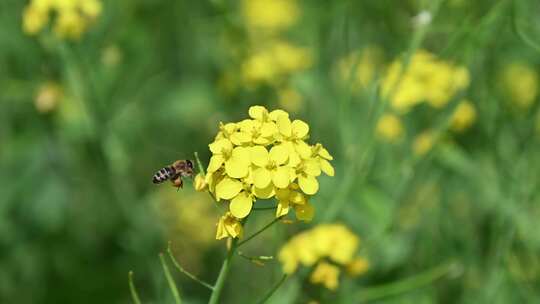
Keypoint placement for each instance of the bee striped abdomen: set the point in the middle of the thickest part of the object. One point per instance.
(163, 174)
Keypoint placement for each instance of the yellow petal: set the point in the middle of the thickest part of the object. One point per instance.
(247, 125)
(300, 129)
(274, 115)
(228, 188)
(326, 167)
(257, 112)
(279, 154)
(282, 208)
(218, 146)
(236, 168)
(261, 178)
(312, 167)
(284, 126)
(269, 129)
(221, 233)
(240, 138)
(241, 205)
(304, 212)
(302, 149)
(242, 154)
(259, 156)
(215, 163)
(324, 153)
(308, 184)
(280, 177)
(264, 193)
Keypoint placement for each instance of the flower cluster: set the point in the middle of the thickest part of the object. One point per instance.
(426, 79)
(72, 16)
(266, 57)
(264, 157)
(328, 247)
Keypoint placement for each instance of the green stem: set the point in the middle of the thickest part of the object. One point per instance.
(199, 164)
(260, 231)
(133, 290)
(187, 273)
(273, 290)
(220, 282)
(408, 284)
(170, 280)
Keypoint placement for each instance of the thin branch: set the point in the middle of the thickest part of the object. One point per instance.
(260, 231)
(132, 289)
(273, 290)
(187, 273)
(170, 280)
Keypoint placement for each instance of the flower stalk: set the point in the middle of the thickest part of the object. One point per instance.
(220, 282)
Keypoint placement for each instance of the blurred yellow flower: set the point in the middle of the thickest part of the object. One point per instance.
(389, 128)
(426, 79)
(48, 97)
(290, 99)
(358, 266)
(463, 117)
(72, 17)
(318, 246)
(520, 83)
(263, 157)
(325, 274)
(423, 143)
(277, 60)
(358, 69)
(270, 15)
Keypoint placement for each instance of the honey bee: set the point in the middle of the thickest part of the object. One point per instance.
(174, 173)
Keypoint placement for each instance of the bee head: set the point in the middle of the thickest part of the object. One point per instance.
(189, 164)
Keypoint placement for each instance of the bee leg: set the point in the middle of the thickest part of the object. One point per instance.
(178, 182)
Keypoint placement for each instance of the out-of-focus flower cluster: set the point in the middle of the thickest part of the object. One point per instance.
(330, 248)
(72, 17)
(263, 157)
(426, 79)
(266, 56)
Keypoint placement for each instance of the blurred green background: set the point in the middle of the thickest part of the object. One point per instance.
(88, 114)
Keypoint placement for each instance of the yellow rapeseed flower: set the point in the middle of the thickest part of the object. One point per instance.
(325, 274)
(263, 157)
(389, 128)
(270, 15)
(463, 117)
(520, 83)
(423, 143)
(48, 97)
(426, 79)
(327, 247)
(277, 60)
(228, 226)
(72, 16)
